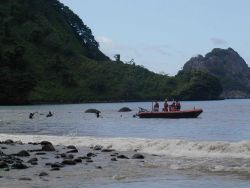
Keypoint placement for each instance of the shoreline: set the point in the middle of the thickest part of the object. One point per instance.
(115, 101)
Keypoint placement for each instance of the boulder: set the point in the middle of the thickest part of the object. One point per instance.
(138, 156)
(25, 179)
(71, 147)
(32, 160)
(40, 153)
(43, 174)
(78, 160)
(48, 147)
(92, 111)
(73, 151)
(108, 150)
(19, 166)
(34, 163)
(68, 162)
(55, 169)
(122, 157)
(3, 164)
(23, 153)
(56, 165)
(89, 161)
(45, 142)
(97, 147)
(91, 154)
(9, 141)
(125, 109)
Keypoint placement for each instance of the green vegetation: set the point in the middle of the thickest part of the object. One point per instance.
(48, 55)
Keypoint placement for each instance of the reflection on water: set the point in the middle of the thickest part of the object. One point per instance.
(226, 120)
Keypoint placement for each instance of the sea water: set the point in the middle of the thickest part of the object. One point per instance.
(212, 150)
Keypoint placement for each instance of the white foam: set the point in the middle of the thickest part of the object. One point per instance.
(169, 147)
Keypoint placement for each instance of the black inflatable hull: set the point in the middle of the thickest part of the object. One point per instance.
(175, 114)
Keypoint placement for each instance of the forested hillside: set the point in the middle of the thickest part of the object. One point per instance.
(48, 55)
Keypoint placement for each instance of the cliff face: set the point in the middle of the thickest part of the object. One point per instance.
(226, 65)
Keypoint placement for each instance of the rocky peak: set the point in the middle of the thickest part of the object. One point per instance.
(228, 66)
(218, 62)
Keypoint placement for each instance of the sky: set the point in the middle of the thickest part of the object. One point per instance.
(162, 35)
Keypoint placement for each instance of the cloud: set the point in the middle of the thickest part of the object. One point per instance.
(218, 41)
(111, 47)
(105, 41)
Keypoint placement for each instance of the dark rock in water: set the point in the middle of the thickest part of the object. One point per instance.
(97, 147)
(23, 153)
(34, 163)
(55, 169)
(48, 164)
(32, 160)
(98, 167)
(68, 156)
(68, 162)
(71, 147)
(19, 166)
(91, 154)
(48, 147)
(108, 150)
(84, 157)
(3, 164)
(122, 157)
(125, 109)
(89, 161)
(73, 151)
(54, 165)
(33, 143)
(138, 156)
(78, 160)
(114, 154)
(4, 148)
(63, 155)
(92, 111)
(113, 159)
(9, 141)
(45, 142)
(34, 150)
(43, 174)
(40, 153)
(25, 179)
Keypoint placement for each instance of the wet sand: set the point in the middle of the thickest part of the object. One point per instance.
(67, 165)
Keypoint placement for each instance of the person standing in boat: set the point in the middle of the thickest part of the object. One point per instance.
(165, 109)
(156, 107)
(178, 105)
(173, 106)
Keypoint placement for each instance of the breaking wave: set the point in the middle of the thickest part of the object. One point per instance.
(173, 154)
(167, 147)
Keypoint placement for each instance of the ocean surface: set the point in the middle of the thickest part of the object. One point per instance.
(212, 150)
